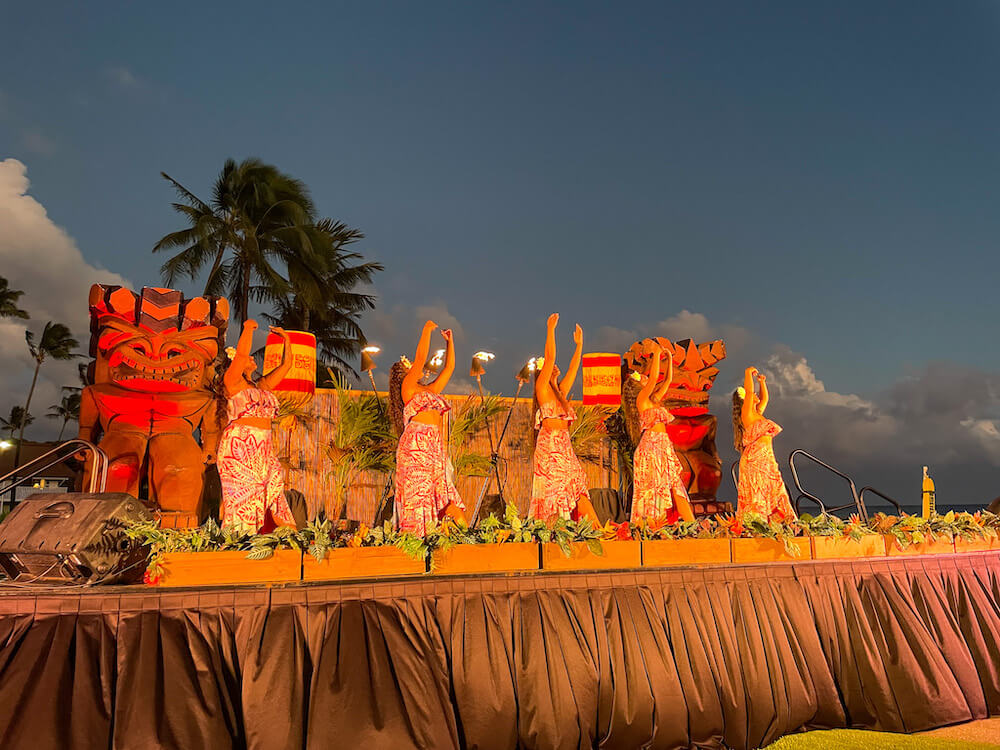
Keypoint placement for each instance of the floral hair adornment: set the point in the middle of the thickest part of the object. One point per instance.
(231, 352)
(406, 362)
(539, 362)
(636, 376)
(741, 392)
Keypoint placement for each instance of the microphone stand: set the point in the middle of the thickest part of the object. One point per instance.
(494, 458)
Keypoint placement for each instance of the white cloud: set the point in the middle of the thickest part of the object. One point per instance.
(124, 78)
(37, 143)
(42, 260)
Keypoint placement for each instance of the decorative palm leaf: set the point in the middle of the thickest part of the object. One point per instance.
(588, 433)
(469, 420)
(362, 441)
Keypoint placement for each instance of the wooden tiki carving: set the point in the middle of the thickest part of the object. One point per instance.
(693, 429)
(152, 389)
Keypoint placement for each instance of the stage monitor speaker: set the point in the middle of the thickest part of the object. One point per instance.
(608, 505)
(72, 538)
(492, 504)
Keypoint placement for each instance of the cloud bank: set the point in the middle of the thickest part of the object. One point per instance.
(42, 260)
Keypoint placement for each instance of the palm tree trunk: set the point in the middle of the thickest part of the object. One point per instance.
(20, 437)
(62, 430)
(245, 303)
(215, 268)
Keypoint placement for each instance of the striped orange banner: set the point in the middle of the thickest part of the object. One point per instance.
(298, 387)
(602, 379)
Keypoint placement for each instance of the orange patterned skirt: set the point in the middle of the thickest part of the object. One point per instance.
(559, 478)
(761, 489)
(423, 489)
(657, 476)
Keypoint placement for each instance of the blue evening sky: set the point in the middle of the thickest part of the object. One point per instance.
(824, 175)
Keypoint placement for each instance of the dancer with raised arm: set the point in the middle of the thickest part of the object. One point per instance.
(559, 481)
(659, 495)
(760, 488)
(424, 491)
(253, 485)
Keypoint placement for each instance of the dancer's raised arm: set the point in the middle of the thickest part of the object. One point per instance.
(234, 379)
(449, 363)
(748, 413)
(764, 398)
(413, 375)
(549, 358)
(574, 365)
(269, 381)
(642, 400)
(667, 380)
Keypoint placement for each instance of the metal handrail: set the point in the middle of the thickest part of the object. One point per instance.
(858, 502)
(861, 495)
(98, 469)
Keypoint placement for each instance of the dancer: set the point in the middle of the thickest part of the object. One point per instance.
(559, 483)
(253, 488)
(424, 491)
(760, 488)
(659, 494)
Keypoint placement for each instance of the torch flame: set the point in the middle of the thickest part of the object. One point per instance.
(372, 349)
(438, 359)
(484, 356)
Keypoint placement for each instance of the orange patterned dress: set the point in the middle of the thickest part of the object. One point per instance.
(423, 487)
(761, 489)
(253, 482)
(657, 470)
(559, 478)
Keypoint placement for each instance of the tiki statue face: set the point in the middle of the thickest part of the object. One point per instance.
(155, 341)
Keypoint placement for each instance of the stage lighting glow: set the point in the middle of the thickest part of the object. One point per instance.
(5, 445)
(484, 356)
(438, 359)
(371, 350)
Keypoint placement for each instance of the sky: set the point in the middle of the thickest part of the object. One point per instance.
(816, 184)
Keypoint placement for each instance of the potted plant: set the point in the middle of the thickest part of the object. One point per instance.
(912, 535)
(579, 545)
(832, 538)
(366, 553)
(209, 555)
(496, 546)
(758, 539)
(977, 532)
(701, 542)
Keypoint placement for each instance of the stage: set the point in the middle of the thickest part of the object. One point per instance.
(733, 655)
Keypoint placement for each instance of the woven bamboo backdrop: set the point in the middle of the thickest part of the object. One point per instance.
(302, 450)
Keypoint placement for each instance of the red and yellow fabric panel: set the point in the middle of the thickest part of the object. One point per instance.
(602, 379)
(299, 386)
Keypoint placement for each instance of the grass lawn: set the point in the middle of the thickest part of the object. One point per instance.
(856, 739)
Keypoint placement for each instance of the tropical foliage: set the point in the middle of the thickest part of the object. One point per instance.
(588, 431)
(362, 441)
(68, 410)
(260, 240)
(473, 416)
(18, 420)
(8, 301)
(56, 342)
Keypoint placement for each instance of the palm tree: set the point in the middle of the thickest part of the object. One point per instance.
(68, 409)
(18, 418)
(8, 301)
(257, 217)
(322, 300)
(56, 342)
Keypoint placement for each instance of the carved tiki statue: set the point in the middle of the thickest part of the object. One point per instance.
(151, 391)
(693, 430)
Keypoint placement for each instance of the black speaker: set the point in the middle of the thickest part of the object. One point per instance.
(72, 538)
